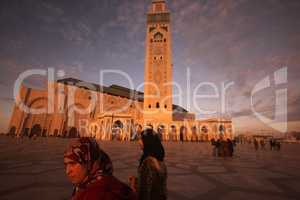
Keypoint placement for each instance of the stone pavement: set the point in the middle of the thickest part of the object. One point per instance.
(33, 169)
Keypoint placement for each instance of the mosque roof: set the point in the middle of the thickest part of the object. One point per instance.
(114, 90)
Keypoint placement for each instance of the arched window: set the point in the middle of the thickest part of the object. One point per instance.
(221, 129)
(204, 129)
(158, 36)
(157, 105)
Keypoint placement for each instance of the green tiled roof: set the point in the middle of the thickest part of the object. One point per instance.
(114, 90)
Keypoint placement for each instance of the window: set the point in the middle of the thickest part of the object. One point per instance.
(158, 36)
(149, 106)
(166, 106)
(151, 29)
(157, 105)
(165, 28)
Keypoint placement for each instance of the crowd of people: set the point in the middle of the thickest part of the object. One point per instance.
(223, 148)
(261, 144)
(90, 170)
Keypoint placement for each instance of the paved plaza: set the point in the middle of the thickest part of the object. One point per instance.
(33, 169)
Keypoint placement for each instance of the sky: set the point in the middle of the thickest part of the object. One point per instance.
(234, 43)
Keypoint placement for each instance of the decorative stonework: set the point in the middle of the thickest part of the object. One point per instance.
(115, 105)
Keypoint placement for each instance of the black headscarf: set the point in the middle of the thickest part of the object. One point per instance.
(152, 146)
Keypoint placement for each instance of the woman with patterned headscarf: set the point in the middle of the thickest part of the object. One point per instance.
(90, 170)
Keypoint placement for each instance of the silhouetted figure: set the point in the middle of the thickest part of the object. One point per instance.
(262, 145)
(152, 171)
(278, 145)
(271, 144)
(214, 145)
(230, 147)
(221, 148)
(255, 144)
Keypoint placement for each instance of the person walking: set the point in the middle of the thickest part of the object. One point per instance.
(255, 144)
(152, 171)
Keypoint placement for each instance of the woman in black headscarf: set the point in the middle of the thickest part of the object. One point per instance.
(152, 171)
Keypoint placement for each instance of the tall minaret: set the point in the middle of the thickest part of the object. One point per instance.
(158, 65)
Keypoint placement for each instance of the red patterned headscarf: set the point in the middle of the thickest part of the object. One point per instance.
(86, 151)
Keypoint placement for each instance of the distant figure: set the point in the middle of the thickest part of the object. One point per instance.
(262, 144)
(278, 145)
(271, 144)
(221, 147)
(90, 170)
(230, 147)
(255, 144)
(152, 171)
(226, 148)
(214, 144)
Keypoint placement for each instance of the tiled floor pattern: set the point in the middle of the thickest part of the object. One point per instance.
(33, 169)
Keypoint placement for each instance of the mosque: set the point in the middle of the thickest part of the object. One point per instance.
(72, 108)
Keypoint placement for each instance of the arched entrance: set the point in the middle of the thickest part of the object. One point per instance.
(73, 133)
(182, 133)
(204, 133)
(36, 130)
(138, 129)
(221, 130)
(173, 133)
(55, 132)
(117, 130)
(25, 132)
(12, 131)
(194, 134)
(161, 131)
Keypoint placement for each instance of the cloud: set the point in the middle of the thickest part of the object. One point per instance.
(49, 12)
(7, 99)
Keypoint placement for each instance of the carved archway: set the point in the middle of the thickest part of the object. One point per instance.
(73, 132)
(12, 131)
(55, 132)
(204, 133)
(73, 119)
(36, 130)
(33, 119)
(222, 129)
(183, 133)
(173, 133)
(161, 130)
(117, 130)
(194, 134)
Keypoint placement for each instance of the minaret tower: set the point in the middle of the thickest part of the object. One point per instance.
(158, 65)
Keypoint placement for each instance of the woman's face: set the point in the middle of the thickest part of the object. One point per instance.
(75, 171)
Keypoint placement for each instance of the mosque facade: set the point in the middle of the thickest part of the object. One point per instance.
(70, 107)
